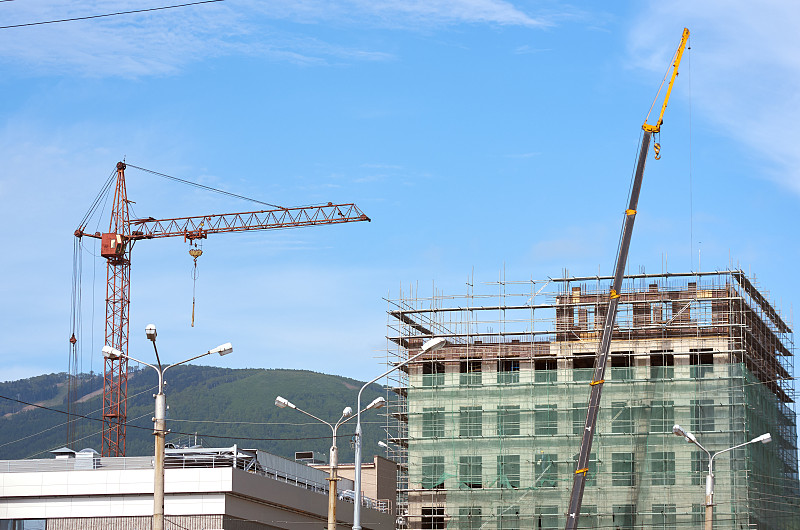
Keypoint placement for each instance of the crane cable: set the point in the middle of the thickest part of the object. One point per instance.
(657, 138)
(207, 188)
(195, 252)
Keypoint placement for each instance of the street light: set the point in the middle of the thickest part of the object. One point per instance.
(347, 414)
(677, 430)
(161, 413)
(429, 346)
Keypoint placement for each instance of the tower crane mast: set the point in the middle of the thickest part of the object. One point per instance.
(116, 246)
(601, 359)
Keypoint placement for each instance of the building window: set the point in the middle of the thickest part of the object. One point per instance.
(621, 365)
(545, 469)
(546, 418)
(622, 469)
(470, 422)
(508, 471)
(433, 374)
(470, 373)
(507, 371)
(432, 422)
(662, 466)
(665, 516)
(588, 516)
(433, 519)
(583, 367)
(544, 371)
(470, 472)
(702, 415)
(23, 524)
(469, 518)
(547, 517)
(699, 514)
(621, 418)
(508, 518)
(624, 517)
(508, 421)
(702, 362)
(432, 472)
(662, 364)
(662, 416)
(579, 410)
(699, 467)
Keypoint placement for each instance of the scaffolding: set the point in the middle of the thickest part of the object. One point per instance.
(486, 430)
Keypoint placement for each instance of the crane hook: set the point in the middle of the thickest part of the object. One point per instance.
(657, 150)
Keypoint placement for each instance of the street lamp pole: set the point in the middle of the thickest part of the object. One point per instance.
(347, 414)
(677, 430)
(159, 421)
(429, 346)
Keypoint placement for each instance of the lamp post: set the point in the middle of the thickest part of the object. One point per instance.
(160, 417)
(347, 414)
(429, 346)
(677, 430)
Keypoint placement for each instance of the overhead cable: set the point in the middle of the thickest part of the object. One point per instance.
(88, 17)
(346, 435)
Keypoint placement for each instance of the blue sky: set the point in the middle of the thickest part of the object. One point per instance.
(479, 135)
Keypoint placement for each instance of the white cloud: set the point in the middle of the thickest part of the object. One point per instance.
(745, 70)
(163, 42)
(402, 13)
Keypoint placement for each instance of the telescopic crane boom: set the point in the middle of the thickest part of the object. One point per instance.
(116, 245)
(579, 480)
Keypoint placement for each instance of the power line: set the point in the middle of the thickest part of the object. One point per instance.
(346, 435)
(66, 422)
(107, 14)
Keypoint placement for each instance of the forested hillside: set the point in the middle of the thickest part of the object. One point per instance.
(223, 406)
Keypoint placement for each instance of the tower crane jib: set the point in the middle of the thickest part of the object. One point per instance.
(115, 247)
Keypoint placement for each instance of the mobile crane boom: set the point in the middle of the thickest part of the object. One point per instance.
(596, 385)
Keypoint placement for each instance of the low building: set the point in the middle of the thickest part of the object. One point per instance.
(206, 489)
(378, 479)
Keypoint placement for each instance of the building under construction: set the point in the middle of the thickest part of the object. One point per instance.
(487, 429)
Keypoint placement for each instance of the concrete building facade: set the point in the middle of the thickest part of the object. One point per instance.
(206, 489)
(486, 431)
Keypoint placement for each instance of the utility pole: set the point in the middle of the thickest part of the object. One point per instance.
(333, 478)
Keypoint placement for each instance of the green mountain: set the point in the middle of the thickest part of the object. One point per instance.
(223, 406)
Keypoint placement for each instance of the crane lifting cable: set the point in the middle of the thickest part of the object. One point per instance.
(601, 359)
(195, 253)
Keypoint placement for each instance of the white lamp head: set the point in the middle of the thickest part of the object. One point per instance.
(111, 353)
(150, 331)
(434, 344)
(383, 444)
(347, 412)
(377, 403)
(764, 438)
(281, 402)
(223, 349)
(677, 430)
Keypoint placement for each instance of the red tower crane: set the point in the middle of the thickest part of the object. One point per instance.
(116, 245)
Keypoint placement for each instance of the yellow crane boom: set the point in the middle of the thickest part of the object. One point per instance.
(596, 386)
